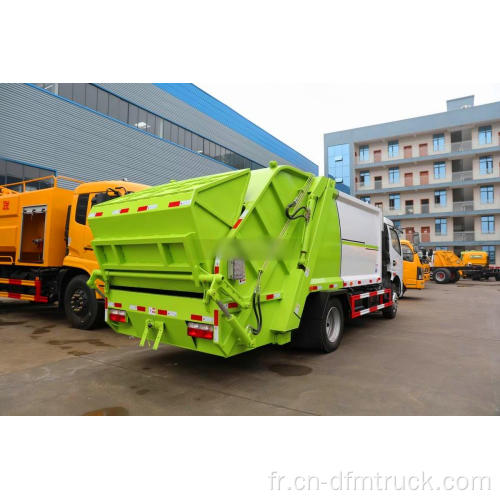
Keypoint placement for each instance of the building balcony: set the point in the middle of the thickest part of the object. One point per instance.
(462, 180)
(399, 213)
(442, 155)
(458, 243)
(465, 175)
(460, 147)
(463, 235)
(463, 206)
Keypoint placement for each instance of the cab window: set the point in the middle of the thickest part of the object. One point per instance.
(407, 253)
(81, 209)
(395, 241)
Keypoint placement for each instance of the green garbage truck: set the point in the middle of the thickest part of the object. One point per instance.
(226, 263)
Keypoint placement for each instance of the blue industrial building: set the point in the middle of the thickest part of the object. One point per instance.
(149, 133)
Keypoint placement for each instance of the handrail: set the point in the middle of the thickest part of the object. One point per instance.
(53, 177)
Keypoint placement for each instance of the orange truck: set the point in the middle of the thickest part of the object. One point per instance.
(448, 268)
(413, 271)
(46, 254)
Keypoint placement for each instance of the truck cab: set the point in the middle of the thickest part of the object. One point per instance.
(46, 252)
(78, 236)
(413, 276)
(392, 257)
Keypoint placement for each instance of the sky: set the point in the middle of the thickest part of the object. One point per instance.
(299, 114)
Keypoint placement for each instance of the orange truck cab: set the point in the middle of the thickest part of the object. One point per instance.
(413, 275)
(45, 243)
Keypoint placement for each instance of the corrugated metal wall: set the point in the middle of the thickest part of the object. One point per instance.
(159, 101)
(47, 131)
(209, 105)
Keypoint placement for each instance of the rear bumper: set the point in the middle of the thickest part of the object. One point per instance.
(163, 319)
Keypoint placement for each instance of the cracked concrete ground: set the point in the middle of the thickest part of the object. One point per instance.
(440, 356)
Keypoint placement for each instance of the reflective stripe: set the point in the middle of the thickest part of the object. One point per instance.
(199, 317)
(120, 211)
(145, 208)
(179, 203)
(216, 325)
(271, 296)
(137, 308)
(217, 265)
(242, 216)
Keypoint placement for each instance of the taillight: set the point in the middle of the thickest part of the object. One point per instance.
(117, 316)
(200, 330)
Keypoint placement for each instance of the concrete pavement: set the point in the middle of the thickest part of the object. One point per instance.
(440, 356)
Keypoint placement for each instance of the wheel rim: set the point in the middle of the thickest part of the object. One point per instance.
(394, 300)
(440, 276)
(333, 324)
(79, 302)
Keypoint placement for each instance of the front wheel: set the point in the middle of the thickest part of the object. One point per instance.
(81, 306)
(390, 312)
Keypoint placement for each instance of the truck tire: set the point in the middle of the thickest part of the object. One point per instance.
(390, 312)
(82, 308)
(455, 276)
(497, 277)
(322, 324)
(442, 275)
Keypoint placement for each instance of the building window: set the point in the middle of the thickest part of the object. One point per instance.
(491, 253)
(440, 227)
(393, 175)
(393, 149)
(439, 170)
(488, 224)
(13, 172)
(485, 135)
(487, 194)
(379, 204)
(364, 153)
(364, 178)
(440, 197)
(366, 199)
(485, 165)
(394, 202)
(339, 163)
(438, 142)
(115, 107)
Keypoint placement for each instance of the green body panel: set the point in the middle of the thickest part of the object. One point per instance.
(164, 262)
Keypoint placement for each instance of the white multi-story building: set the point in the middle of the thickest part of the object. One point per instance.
(438, 175)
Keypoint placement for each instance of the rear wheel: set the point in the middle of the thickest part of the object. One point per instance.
(455, 276)
(442, 275)
(82, 308)
(497, 277)
(322, 325)
(390, 312)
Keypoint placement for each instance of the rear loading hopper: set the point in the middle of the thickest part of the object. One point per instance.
(225, 263)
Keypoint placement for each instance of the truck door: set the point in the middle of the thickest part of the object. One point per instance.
(409, 266)
(395, 266)
(80, 236)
